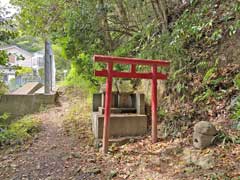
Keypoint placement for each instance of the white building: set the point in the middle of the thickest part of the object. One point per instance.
(20, 57)
(23, 58)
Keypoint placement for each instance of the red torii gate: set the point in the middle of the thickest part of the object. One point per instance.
(110, 73)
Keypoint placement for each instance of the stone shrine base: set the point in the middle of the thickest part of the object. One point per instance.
(120, 125)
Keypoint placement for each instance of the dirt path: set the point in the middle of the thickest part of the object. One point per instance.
(52, 155)
(55, 154)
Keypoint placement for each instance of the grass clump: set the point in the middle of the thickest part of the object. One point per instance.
(3, 87)
(19, 131)
(77, 121)
(236, 109)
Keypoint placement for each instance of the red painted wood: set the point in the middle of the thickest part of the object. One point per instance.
(154, 104)
(117, 74)
(133, 68)
(109, 73)
(124, 60)
(108, 97)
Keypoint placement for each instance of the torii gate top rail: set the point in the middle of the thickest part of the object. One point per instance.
(133, 62)
(124, 60)
(110, 73)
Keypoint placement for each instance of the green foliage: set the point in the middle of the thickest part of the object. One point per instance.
(3, 88)
(23, 70)
(190, 27)
(84, 32)
(7, 31)
(236, 110)
(3, 61)
(82, 66)
(237, 81)
(41, 72)
(194, 25)
(19, 131)
(80, 74)
(125, 49)
(39, 18)
(27, 42)
(210, 81)
(7, 25)
(3, 57)
(224, 138)
(209, 75)
(217, 35)
(180, 88)
(62, 64)
(77, 120)
(202, 66)
(162, 113)
(233, 28)
(204, 96)
(77, 29)
(3, 119)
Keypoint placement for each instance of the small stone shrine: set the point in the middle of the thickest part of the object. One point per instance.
(203, 135)
(127, 118)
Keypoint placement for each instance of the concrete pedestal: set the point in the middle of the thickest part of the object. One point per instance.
(121, 125)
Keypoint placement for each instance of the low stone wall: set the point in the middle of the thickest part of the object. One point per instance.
(19, 105)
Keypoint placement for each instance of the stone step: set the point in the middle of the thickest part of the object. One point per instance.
(118, 141)
(101, 110)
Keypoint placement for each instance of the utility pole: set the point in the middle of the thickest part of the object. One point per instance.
(47, 68)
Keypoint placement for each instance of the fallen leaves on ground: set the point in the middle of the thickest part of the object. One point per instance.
(64, 150)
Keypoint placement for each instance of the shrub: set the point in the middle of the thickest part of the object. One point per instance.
(3, 88)
(19, 131)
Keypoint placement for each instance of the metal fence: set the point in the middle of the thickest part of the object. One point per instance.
(19, 81)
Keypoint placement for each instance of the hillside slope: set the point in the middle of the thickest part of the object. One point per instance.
(203, 45)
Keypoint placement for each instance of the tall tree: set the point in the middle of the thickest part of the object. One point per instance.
(41, 18)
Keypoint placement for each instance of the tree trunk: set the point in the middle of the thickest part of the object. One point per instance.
(160, 9)
(105, 26)
(155, 10)
(122, 12)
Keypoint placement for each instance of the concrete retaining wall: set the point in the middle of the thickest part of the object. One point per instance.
(19, 105)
